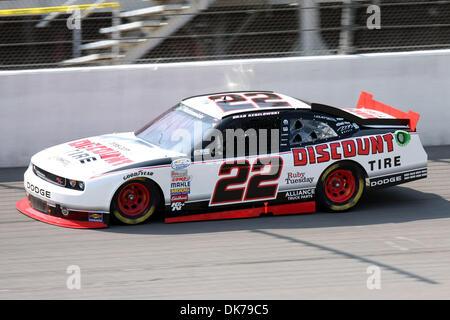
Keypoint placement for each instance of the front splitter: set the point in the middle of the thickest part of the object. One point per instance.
(23, 206)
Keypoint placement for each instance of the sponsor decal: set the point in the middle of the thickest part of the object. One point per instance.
(180, 184)
(181, 178)
(323, 117)
(109, 155)
(345, 128)
(177, 206)
(385, 163)
(343, 149)
(402, 137)
(297, 177)
(38, 190)
(179, 191)
(95, 217)
(180, 173)
(179, 198)
(139, 173)
(180, 164)
(119, 146)
(302, 194)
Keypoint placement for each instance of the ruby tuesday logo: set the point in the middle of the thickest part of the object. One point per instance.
(297, 177)
(343, 149)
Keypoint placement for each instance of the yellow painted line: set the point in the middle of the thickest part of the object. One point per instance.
(19, 12)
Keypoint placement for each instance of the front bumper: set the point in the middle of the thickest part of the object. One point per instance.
(55, 217)
(56, 205)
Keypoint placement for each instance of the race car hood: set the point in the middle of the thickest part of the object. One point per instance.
(85, 158)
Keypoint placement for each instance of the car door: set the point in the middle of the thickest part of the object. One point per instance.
(251, 165)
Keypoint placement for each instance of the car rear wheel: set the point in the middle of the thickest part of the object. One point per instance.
(135, 201)
(340, 187)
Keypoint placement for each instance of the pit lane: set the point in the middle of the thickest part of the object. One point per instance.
(403, 230)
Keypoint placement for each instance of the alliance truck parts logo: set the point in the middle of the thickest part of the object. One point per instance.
(301, 194)
(343, 149)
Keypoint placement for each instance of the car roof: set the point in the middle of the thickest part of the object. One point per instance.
(222, 104)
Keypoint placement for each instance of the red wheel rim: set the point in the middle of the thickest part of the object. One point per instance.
(134, 199)
(340, 186)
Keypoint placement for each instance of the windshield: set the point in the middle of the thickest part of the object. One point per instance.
(177, 129)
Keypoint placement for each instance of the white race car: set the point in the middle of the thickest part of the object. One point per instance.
(227, 155)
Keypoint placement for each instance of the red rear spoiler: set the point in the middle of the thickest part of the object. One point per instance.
(366, 101)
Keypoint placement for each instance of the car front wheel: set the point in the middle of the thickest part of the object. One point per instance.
(135, 202)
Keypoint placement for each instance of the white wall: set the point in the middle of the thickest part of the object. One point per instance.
(40, 108)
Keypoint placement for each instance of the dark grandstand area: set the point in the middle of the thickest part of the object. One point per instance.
(239, 32)
(24, 44)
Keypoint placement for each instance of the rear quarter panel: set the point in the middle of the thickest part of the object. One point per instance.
(379, 155)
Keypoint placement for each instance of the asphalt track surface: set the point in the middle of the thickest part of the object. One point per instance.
(403, 230)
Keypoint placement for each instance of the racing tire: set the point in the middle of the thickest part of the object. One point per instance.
(135, 201)
(340, 187)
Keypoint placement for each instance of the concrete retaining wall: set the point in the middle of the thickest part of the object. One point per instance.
(40, 108)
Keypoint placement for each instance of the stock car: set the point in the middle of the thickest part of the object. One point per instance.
(183, 164)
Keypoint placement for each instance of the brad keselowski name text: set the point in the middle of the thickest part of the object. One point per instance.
(343, 149)
(107, 154)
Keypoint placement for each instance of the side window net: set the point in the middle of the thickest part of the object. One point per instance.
(308, 131)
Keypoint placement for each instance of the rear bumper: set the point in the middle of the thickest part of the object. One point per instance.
(397, 178)
(53, 215)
